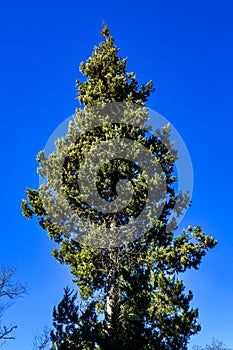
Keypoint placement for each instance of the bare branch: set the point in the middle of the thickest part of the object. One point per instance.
(42, 341)
(4, 335)
(10, 290)
(215, 345)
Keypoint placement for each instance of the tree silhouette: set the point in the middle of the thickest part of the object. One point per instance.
(10, 290)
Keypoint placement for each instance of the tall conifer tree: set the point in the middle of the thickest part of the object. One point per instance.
(132, 295)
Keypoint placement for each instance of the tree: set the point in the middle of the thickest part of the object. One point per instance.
(10, 290)
(75, 325)
(134, 297)
(216, 344)
(42, 341)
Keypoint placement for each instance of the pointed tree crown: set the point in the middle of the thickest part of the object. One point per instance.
(107, 79)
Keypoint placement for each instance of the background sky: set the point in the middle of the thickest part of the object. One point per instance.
(186, 47)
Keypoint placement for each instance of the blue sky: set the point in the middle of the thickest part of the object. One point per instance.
(186, 48)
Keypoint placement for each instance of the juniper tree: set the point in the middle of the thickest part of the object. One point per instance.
(132, 290)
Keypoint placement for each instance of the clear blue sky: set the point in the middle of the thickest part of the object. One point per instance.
(186, 47)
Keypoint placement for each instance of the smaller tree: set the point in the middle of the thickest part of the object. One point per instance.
(75, 325)
(42, 341)
(10, 290)
(216, 344)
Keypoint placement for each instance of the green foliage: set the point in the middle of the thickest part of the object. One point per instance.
(107, 79)
(134, 298)
(74, 326)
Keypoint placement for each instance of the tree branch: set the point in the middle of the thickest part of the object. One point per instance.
(5, 332)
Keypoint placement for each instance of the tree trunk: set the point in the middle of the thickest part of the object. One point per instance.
(113, 292)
